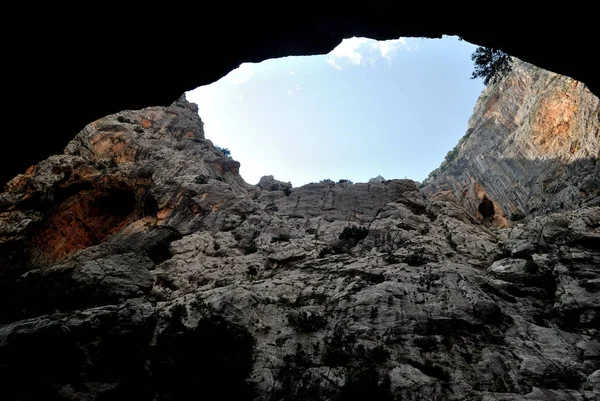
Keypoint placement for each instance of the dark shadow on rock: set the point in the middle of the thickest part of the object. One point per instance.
(518, 186)
(108, 353)
(212, 360)
(97, 354)
(80, 284)
(153, 243)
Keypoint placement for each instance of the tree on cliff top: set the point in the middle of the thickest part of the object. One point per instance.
(490, 64)
(225, 151)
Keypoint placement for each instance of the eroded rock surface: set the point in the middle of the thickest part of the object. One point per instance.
(532, 147)
(139, 265)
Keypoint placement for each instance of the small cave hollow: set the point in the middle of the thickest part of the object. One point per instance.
(486, 208)
(116, 202)
(86, 218)
(149, 206)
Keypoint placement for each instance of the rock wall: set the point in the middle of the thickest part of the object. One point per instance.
(139, 265)
(532, 147)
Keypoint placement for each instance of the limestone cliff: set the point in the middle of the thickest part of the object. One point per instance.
(139, 265)
(532, 147)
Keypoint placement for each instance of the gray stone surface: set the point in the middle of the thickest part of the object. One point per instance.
(269, 183)
(212, 285)
(531, 148)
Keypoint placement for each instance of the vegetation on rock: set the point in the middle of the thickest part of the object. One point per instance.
(490, 64)
(225, 151)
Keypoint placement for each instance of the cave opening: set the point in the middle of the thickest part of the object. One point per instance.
(88, 217)
(368, 108)
(116, 202)
(486, 208)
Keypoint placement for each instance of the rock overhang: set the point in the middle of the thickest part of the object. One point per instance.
(134, 58)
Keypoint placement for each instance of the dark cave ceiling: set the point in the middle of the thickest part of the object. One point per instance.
(65, 67)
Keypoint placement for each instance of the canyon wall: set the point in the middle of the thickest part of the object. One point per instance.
(532, 147)
(139, 265)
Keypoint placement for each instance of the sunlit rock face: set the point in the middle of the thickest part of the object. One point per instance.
(532, 147)
(139, 265)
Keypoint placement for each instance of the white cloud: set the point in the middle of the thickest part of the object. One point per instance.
(291, 91)
(241, 74)
(388, 46)
(349, 49)
(292, 72)
(362, 51)
(331, 62)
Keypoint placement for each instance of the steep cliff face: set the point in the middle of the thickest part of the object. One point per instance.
(139, 265)
(532, 147)
(119, 169)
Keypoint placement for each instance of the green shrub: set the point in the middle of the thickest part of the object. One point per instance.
(363, 378)
(451, 155)
(378, 354)
(354, 233)
(201, 179)
(417, 258)
(225, 151)
(490, 64)
(307, 322)
(516, 216)
(339, 348)
(349, 238)
(325, 251)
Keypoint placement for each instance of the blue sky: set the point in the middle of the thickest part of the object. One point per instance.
(390, 108)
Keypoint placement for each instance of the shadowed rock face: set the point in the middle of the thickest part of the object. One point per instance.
(139, 265)
(532, 147)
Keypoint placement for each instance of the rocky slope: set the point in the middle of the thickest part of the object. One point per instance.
(139, 265)
(532, 147)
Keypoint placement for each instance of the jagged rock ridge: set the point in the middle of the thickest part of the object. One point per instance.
(139, 265)
(532, 147)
